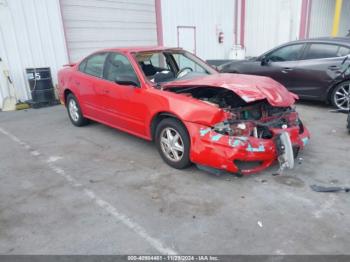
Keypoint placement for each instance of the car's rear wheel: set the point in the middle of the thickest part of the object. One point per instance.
(173, 143)
(340, 95)
(74, 111)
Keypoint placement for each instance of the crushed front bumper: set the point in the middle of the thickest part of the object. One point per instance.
(240, 155)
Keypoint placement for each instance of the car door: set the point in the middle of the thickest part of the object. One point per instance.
(280, 64)
(319, 65)
(119, 97)
(86, 80)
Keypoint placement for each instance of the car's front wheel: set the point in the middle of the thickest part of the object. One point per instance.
(173, 143)
(340, 95)
(74, 111)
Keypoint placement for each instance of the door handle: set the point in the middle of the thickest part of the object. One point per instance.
(286, 70)
(334, 67)
(106, 91)
(77, 83)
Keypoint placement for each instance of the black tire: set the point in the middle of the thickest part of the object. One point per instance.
(335, 90)
(185, 139)
(80, 120)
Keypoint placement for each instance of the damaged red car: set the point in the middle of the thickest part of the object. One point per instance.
(236, 123)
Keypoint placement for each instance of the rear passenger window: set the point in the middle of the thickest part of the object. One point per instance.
(94, 64)
(317, 51)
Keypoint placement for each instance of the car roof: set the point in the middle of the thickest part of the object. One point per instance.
(135, 49)
(330, 40)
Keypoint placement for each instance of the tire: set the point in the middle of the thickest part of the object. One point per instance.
(168, 147)
(337, 96)
(74, 111)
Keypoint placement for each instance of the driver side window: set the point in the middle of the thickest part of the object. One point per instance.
(287, 53)
(182, 62)
(118, 65)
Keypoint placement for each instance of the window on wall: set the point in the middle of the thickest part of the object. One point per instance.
(286, 53)
(317, 51)
(94, 64)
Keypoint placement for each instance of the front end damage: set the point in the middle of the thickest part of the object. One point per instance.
(251, 136)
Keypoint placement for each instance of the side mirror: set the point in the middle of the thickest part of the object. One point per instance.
(264, 61)
(127, 80)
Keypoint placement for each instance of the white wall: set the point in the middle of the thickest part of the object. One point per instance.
(270, 23)
(322, 13)
(344, 26)
(95, 24)
(208, 16)
(31, 35)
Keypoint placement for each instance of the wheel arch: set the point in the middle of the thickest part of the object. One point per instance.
(66, 92)
(157, 118)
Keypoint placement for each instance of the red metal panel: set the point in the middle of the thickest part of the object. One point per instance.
(159, 22)
(304, 19)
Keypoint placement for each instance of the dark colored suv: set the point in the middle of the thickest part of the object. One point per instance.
(311, 68)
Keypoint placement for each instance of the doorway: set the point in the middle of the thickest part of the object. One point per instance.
(186, 38)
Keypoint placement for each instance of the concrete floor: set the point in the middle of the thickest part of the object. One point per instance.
(96, 190)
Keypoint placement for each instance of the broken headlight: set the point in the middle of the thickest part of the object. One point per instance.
(234, 129)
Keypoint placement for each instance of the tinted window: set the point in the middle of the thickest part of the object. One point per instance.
(118, 65)
(317, 51)
(94, 64)
(287, 53)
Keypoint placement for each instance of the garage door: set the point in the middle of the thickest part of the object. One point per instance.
(94, 24)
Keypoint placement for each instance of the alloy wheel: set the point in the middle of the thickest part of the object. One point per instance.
(341, 96)
(171, 144)
(73, 110)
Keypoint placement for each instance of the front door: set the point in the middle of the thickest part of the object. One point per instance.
(281, 64)
(119, 98)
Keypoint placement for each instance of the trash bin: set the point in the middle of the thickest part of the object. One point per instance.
(41, 87)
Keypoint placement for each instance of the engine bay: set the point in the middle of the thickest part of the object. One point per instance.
(257, 119)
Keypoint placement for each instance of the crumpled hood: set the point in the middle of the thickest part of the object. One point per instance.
(249, 87)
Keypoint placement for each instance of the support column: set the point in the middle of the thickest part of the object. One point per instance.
(336, 19)
(242, 29)
(159, 22)
(305, 19)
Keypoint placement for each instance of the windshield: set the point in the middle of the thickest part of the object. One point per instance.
(165, 66)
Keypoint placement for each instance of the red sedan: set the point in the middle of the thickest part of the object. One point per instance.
(236, 123)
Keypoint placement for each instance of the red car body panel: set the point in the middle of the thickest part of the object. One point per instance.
(250, 88)
(133, 109)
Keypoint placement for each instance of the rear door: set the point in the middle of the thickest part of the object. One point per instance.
(319, 65)
(281, 64)
(86, 81)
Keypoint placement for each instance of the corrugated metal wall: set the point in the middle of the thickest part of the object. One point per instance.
(322, 13)
(270, 23)
(94, 24)
(31, 35)
(345, 18)
(208, 17)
